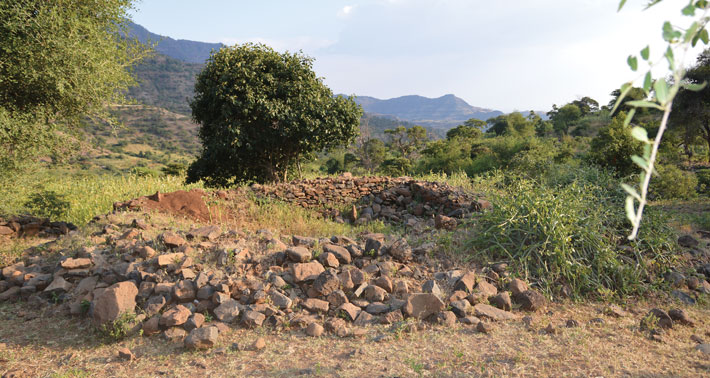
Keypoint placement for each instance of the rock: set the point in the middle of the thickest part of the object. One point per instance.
(444, 222)
(307, 271)
(315, 330)
(315, 305)
(350, 310)
(184, 291)
(482, 310)
(329, 260)
(375, 293)
(116, 300)
(373, 245)
(339, 252)
(423, 305)
(571, 323)
(59, 285)
(364, 318)
(697, 339)
(688, 241)
(502, 301)
(208, 232)
(337, 298)
(170, 258)
(676, 279)
(401, 287)
(484, 327)
(466, 282)
(530, 300)
(174, 334)
(280, 301)
(228, 311)
(615, 311)
(517, 287)
(470, 320)
(172, 240)
(139, 223)
(252, 319)
(460, 308)
(392, 317)
(195, 321)
(326, 283)
(703, 348)
(176, 316)
(681, 316)
(76, 263)
(683, 297)
(377, 308)
(660, 319)
(400, 250)
(446, 318)
(146, 252)
(485, 289)
(303, 241)
(151, 326)
(432, 287)
(202, 338)
(154, 305)
(550, 329)
(258, 344)
(298, 254)
(125, 354)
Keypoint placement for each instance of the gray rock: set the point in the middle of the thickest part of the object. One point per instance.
(482, 310)
(228, 311)
(202, 338)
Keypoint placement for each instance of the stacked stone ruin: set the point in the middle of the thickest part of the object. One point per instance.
(401, 199)
(192, 286)
(28, 226)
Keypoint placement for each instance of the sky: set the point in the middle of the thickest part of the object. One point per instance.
(503, 55)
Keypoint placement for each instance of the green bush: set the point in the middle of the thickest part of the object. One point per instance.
(703, 176)
(48, 204)
(673, 183)
(569, 236)
(614, 146)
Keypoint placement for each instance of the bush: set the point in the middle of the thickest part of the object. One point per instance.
(569, 236)
(673, 183)
(48, 204)
(614, 146)
(703, 176)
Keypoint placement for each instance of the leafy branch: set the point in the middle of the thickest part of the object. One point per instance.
(660, 94)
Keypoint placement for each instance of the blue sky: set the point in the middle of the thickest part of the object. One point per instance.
(505, 55)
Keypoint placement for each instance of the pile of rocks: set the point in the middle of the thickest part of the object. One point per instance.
(28, 226)
(400, 200)
(193, 285)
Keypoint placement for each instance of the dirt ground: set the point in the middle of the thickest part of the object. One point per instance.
(49, 346)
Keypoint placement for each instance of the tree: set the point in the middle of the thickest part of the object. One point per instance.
(614, 146)
(564, 117)
(261, 111)
(586, 105)
(372, 154)
(691, 109)
(407, 142)
(471, 129)
(519, 126)
(59, 61)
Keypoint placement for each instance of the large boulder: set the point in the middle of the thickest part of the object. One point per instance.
(202, 338)
(116, 300)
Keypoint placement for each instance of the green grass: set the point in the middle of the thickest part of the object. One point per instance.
(86, 195)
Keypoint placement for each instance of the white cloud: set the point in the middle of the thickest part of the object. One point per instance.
(346, 11)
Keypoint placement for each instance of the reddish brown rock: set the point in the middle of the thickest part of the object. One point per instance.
(307, 271)
(76, 263)
(423, 305)
(115, 301)
(202, 338)
(176, 316)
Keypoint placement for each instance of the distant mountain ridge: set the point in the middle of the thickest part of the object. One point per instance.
(182, 49)
(445, 111)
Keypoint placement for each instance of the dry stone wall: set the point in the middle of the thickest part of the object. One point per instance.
(400, 199)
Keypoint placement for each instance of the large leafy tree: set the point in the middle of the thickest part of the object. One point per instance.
(260, 112)
(60, 60)
(691, 109)
(563, 118)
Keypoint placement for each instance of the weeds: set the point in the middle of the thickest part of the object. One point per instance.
(118, 329)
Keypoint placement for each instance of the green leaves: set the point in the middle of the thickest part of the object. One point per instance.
(640, 134)
(660, 87)
(621, 5)
(633, 62)
(645, 53)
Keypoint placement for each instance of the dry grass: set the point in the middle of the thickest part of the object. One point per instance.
(64, 347)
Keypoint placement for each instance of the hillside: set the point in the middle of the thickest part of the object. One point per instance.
(442, 112)
(184, 50)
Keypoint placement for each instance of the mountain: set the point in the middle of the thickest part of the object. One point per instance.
(442, 112)
(184, 50)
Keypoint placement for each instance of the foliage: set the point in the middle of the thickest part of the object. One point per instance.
(563, 118)
(470, 129)
(703, 176)
(371, 154)
(260, 112)
(59, 60)
(674, 183)
(48, 204)
(118, 329)
(679, 40)
(565, 235)
(614, 146)
(691, 109)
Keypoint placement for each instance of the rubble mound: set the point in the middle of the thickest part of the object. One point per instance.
(28, 226)
(399, 200)
(182, 203)
(180, 283)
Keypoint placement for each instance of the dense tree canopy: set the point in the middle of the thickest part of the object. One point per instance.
(691, 109)
(59, 60)
(261, 111)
